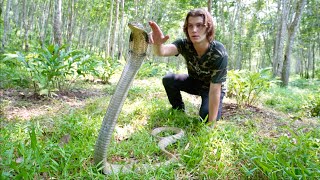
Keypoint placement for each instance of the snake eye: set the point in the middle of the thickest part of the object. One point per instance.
(146, 37)
(131, 37)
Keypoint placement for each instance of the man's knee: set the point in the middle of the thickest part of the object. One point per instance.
(167, 80)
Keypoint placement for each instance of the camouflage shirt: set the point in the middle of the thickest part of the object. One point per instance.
(211, 67)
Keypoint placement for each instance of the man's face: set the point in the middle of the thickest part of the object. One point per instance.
(196, 29)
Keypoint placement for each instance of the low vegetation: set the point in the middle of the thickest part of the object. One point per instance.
(276, 137)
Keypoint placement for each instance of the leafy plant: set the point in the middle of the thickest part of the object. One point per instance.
(246, 87)
(312, 106)
(98, 67)
(48, 67)
(317, 74)
(151, 70)
(12, 76)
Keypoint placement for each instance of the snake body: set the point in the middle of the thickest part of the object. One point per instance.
(138, 45)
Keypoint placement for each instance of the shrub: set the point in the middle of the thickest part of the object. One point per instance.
(151, 70)
(312, 107)
(48, 67)
(317, 74)
(12, 76)
(97, 67)
(246, 86)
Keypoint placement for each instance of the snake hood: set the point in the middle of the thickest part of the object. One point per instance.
(139, 39)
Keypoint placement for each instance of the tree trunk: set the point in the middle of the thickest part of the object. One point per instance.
(121, 31)
(46, 19)
(115, 30)
(6, 27)
(239, 56)
(298, 64)
(43, 22)
(309, 60)
(109, 30)
(232, 34)
(80, 34)
(209, 6)
(280, 39)
(25, 45)
(57, 23)
(16, 13)
(28, 14)
(291, 35)
(313, 60)
(70, 23)
(302, 68)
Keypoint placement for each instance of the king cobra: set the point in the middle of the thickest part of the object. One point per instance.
(138, 46)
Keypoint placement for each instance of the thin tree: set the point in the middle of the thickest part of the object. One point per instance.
(291, 35)
(209, 6)
(45, 21)
(121, 30)
(115, 30)
(57, 23)
(6, 27)
(109, 30)
(280, 38)
(70, 22)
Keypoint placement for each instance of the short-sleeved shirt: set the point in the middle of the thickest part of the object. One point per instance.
(210, 67)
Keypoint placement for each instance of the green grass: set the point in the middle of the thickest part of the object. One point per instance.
(62, 146)
(298, 99)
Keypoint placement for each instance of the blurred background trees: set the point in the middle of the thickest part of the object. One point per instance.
(282, 34)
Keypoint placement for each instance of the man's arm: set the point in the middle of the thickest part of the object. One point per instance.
(214, 101)
(158, 39)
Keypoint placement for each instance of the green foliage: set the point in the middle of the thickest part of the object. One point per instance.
(48, 67)
(292, 156)
(312, 107)
(62, 146)
(97, 67)
(151, 70)
(53, 68)
(13, 76)
(246, 87)
(317, 74)
(299, 99)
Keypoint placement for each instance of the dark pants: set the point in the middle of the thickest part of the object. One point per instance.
(175, 83)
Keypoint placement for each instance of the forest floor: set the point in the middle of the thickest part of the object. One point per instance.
(44, 138)
(24, 105)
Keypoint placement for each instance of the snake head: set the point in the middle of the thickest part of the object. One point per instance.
(138, 39)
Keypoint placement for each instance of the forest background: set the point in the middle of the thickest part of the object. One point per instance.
(54, 54)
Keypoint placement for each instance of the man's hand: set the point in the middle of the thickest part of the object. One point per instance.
(156, 37)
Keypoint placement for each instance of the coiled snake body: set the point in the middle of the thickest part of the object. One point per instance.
(138, 47)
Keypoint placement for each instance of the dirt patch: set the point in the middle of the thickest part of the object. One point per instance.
(25, 105)
(267, 122)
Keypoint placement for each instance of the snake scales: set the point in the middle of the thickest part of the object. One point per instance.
(138, 47)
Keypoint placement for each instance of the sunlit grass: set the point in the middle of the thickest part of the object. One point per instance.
(62, 146)
(295, 99)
